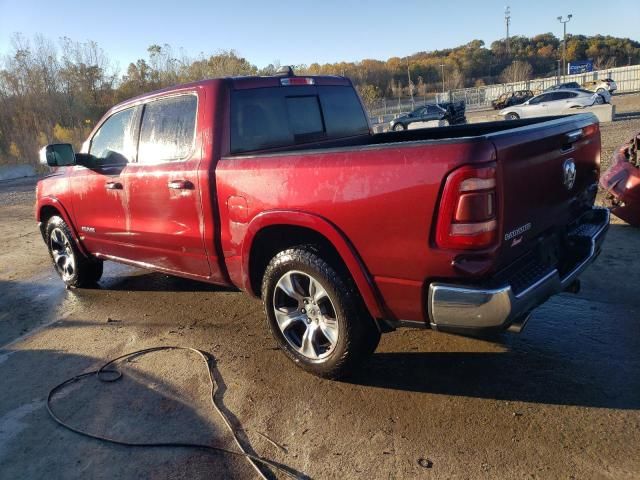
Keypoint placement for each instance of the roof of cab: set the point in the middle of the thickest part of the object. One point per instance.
(236, 83)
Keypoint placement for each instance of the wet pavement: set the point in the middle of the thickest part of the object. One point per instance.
(560, 400)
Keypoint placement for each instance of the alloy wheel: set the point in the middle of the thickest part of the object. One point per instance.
(305, 315)
(62, 253)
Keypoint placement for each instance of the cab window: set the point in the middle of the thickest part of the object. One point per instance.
(167, 132)
(271, 117)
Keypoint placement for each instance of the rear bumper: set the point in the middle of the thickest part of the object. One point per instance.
(460, 308)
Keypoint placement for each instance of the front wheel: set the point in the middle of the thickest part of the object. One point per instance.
(315, 314)
(398, 127)
(75, 269)
(512, 116)
(600, 100)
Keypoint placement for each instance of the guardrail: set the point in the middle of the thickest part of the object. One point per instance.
(626, 78)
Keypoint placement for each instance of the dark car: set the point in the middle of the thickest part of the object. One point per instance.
(564, 86)
(449, 113)
(511, 98)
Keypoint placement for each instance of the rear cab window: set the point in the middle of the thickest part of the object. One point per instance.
(282, 116)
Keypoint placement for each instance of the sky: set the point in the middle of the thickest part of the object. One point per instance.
(296, 32)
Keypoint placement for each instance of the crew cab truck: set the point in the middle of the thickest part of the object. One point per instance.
(276, 185)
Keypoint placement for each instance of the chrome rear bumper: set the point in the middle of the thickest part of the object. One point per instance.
(462, 308)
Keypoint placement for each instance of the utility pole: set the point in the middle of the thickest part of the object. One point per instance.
(507, 22)
(442, 67)
(564, 43)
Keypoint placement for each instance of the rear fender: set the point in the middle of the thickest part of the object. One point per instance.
(347, 252)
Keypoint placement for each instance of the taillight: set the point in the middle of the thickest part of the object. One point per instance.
(468, 218)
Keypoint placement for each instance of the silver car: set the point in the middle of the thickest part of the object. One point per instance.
(556, 102)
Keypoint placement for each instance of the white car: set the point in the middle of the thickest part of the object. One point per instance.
(556, 102)
(599, 86)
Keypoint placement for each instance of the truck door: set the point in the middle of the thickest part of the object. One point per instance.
(99, 198)
(166, 217)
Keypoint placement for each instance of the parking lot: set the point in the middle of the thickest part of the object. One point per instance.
(560, 400)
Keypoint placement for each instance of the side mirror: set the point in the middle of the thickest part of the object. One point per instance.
(58, 155)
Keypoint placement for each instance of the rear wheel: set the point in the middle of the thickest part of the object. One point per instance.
(599, 100)
(75, 269)
(512, 116)
(398, 127)
(315, 314)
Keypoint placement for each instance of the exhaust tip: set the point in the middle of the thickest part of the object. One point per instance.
(518, 324)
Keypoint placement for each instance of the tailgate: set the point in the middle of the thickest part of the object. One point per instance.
(548, 174)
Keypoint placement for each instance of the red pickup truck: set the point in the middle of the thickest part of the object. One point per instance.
(276, 185)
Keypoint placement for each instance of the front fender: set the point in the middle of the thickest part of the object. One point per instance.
(50, 201)
(345, 249)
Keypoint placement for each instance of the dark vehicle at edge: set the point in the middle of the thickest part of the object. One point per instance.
(453, 113)
(564, 86)
(511, 98)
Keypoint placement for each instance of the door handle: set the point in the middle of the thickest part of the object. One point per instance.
(180, 185)
(113, 186)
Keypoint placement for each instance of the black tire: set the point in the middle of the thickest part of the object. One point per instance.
(75, 269)
(357, 333)
(600, 100)
(512, 116)
(398, 127)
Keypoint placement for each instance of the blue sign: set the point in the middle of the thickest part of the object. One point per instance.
(580, 67)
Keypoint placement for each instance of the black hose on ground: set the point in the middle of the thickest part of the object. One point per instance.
(108, 375)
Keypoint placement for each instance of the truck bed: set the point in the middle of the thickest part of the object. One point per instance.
(435, 134)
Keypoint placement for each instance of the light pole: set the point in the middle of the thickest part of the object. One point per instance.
(442, 67)
(564, 43)
(507, 21)
(410, 84)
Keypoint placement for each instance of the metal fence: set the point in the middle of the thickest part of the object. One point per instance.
(627, 79)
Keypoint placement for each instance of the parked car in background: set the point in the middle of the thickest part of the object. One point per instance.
(511, 98)
(555, 102)
(622, 182)
(599, 86)
(564, 86)
(276, 185)
(431, 115)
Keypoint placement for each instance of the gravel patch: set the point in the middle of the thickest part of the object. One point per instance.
(19, 191)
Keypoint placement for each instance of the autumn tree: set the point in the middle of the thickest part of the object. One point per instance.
(518, 71)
